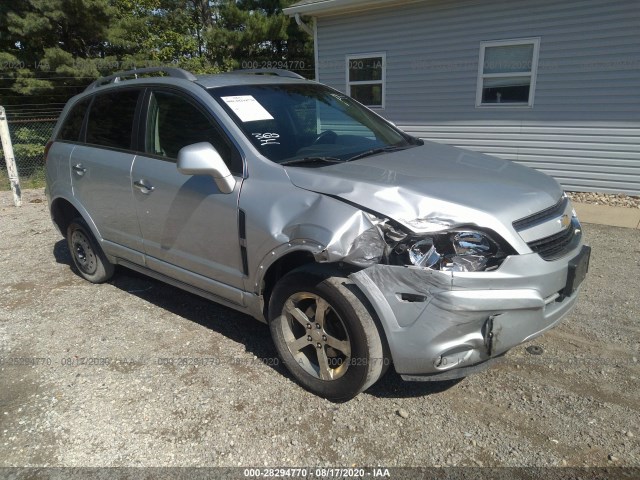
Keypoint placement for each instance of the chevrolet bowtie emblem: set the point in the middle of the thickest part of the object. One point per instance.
(565, 221)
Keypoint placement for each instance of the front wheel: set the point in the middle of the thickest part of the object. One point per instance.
(325, 335)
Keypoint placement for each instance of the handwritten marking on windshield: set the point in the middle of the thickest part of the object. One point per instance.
(267, 138)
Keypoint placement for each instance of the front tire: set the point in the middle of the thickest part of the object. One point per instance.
(325, 335)
(88, 257)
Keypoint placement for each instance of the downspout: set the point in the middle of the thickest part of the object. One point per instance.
(313, 32)
(303, 25)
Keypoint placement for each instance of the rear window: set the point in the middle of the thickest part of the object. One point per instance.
(111, 119)
(73, 123)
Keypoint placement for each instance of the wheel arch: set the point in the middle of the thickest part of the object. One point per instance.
(305, 258)
(278, 269)
(322, 279)
(63, 211)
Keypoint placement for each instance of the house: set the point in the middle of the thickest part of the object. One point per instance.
(552, 85)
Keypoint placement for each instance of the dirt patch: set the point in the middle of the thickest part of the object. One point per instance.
(138, 373)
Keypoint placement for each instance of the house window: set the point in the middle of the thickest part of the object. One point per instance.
(366, 78)
(507, 73)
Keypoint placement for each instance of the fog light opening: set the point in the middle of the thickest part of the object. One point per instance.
(411, 297)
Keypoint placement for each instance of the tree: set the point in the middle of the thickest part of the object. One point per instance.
(49, 43)
(52, 49)
(256, 34)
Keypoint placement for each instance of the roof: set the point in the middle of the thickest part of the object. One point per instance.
(177, 75)
(329, 7)
(227, 79)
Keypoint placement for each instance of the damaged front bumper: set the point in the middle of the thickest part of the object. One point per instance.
(444, 325)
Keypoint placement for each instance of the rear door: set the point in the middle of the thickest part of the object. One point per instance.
(189, 227)
(100, 171)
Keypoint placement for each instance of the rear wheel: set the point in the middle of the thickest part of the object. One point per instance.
(88, 257)
(325, 334)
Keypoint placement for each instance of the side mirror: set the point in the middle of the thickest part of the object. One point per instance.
(202, 159)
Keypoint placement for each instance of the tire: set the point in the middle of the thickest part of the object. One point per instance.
(335, 355)
(88, 257)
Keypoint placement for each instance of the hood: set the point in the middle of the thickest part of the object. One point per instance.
(435, 186)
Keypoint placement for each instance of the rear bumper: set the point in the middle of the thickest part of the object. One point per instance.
(437, 322)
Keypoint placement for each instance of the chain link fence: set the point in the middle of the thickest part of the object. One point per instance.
(29, 137)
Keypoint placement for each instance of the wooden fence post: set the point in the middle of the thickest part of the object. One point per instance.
(9, 159)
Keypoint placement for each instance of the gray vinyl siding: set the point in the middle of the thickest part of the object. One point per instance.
(584, 126)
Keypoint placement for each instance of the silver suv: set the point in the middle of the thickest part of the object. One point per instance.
(360, 246)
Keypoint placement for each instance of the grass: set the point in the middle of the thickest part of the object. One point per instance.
(35, 180)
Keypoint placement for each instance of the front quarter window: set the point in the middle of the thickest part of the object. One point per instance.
(290, 122)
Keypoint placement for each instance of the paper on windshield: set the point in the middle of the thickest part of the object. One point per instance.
(247, 108)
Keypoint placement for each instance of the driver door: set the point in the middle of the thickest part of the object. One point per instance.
(189, 227)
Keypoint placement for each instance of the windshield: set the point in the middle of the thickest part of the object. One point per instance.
(303, 123)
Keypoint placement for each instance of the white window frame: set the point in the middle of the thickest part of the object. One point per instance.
(535, 41)
(383, 82)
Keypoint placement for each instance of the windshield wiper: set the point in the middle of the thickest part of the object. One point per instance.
(375, 151)
(297, 161)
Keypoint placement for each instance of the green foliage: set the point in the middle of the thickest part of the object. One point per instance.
(51, 50)
(4, 180)
(28, 146)
(31, 135)
(26, 83)
(76, 26)
(255, 33)
(29, 151)
(57, 47)
(36, 179)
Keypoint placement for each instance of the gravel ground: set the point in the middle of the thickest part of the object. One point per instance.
(610, 199)
(116, 380)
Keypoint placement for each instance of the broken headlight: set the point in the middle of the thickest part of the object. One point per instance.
(454, 250)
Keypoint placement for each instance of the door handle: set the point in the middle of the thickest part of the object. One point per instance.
(143, 186)
(79, 169)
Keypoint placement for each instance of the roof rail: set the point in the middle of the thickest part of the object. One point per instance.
(118, 76)
(269, 71)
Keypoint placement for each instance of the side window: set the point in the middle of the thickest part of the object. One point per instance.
(174, 122)
(111, 119)
(73, 123)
